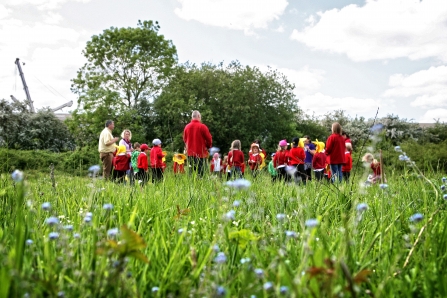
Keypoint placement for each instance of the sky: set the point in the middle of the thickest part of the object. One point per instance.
(356, 56)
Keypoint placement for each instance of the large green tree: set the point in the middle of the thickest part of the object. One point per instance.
(236, 102)
(126, 68)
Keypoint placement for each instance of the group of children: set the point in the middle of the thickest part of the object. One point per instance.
(134, 162)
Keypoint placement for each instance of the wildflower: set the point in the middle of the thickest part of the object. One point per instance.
(236, 203)
(245, 260)
(46, 206)
(230, 215)
(52, 221)
(311, 223)
(94, 169)
(53, 235)
(444, 197)
(68, 227)
(239, 184)
(404, 158)
(87, 219)
(442, 187)
(417, 217)
(112, 232)
(77, 235)
(220, 291)
(362, 207)
(397, 149)
(89, 214)
(180, 231)
(107, 207)
(280, 216)
(383, 186)
(377, 128)
(220, 258)
(61, 294)
(214, 150)
(444, 179)
(291, 234)
(29, 242)
(283, 290)
(259, 272)
(268, 286)
(155, 289)
(216, 248)
(17, 176)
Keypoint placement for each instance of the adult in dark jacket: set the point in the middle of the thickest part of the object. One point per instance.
(198, 140)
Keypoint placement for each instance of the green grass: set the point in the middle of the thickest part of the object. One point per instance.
(375, 253)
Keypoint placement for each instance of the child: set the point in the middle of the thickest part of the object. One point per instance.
(134, 159)
(157, 161)
(272, 170)
(335, 149)
(120, 164)
(143, 165)
(236, 159)
(255, 159)
(296, 160)
(226, 169)
(346, 168)
(179, 163)
(216, 165)
(375, 167)
(281, 160)
(319, 161)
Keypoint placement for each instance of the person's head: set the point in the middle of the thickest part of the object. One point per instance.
(216, 155)
(196, 115)
(254, 148)
(348, 147)
(144, 147)
(344, 134)
(283, 144)
(273, 155)
(307, 140)
(236, 145)
(295, 142)
(110, 124)
(368, 157)
(136, 146)
(225, 159)
(156, 142)
(126, 134)
(336, 128)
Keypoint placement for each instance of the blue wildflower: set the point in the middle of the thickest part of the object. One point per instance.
(362, 207)
(259, 272)
(291, 234)
(383, 186)
(220, 291)
(46, 206)
(377, 128)
(417, 217)
(68, 227)
(112, 232)
(52, 221)
(239, 184)
(230, 215)
(17, 176)
(29, 242)
(236, 203)
(444, 197)
(53, 235)
(311, 223)
(245, 260)
(87, 219)
(444, 179)
(283, 290)
(442, 187)
(280, 216)
(397, 149)
(107, 207)
(77, 235)
(155, 289)
(61, 294)
(220, 258)
(216, 248)
(268, 286)
(180, 231)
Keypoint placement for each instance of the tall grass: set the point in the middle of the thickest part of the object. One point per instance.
(203, 238)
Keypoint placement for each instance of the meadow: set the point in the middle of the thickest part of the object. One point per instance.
(86, 237)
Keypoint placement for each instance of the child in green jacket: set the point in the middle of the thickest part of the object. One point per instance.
(272, 169)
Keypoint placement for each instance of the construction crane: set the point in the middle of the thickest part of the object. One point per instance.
(28, 96)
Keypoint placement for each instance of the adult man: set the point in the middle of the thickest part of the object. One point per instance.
(106, 148)
(310, 150)
(197, 140)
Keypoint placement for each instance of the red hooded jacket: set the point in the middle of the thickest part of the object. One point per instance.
(335, 148)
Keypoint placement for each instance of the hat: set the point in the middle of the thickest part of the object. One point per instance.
(216, 155)
(120, 149)
(156, 142)
(295, 141)
(144, 147)
(273, 154)
(283, 143)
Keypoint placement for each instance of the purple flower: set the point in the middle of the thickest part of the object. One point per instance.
(362, 207)
(53, 235)
(230, 215)
(46, 206)
(107, 207)
(17, 176)
(112, 232)
(291, 234)
(417, 217)
(280, 216)
(383, 186)
(283, 290)
(29, 242)
(52, 221)
(220, 258)
(268, 286)
(220, 291)
(259, 272)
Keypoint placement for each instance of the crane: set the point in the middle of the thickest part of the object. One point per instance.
(28, 96)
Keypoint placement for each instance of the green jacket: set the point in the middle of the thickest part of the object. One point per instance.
(272, 169)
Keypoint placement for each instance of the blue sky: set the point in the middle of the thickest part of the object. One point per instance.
(349, 55)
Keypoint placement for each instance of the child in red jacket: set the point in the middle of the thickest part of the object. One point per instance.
(347, 167)
(254, 159)
(281, 160)
(157, 163)
(335, 149)
(236, 159)
(296, 160)
(143, 165)
(120, 164)
(375, 167)
(319, 160)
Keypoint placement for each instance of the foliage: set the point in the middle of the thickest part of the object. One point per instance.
(236, 102)
(20, 129)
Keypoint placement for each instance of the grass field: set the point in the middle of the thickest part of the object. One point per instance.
(201, 238)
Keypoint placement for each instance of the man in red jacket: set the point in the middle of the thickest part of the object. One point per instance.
(197, 140)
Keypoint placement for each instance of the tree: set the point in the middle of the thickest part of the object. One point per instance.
(20, 129)
(126, 68)
(236, 102)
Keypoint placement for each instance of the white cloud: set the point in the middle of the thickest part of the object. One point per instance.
(41, 4)
(53, 18)
(380, 29)
(321, 104)
(245, 15)
(436, 114)
(4, 12)
(429, 86)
